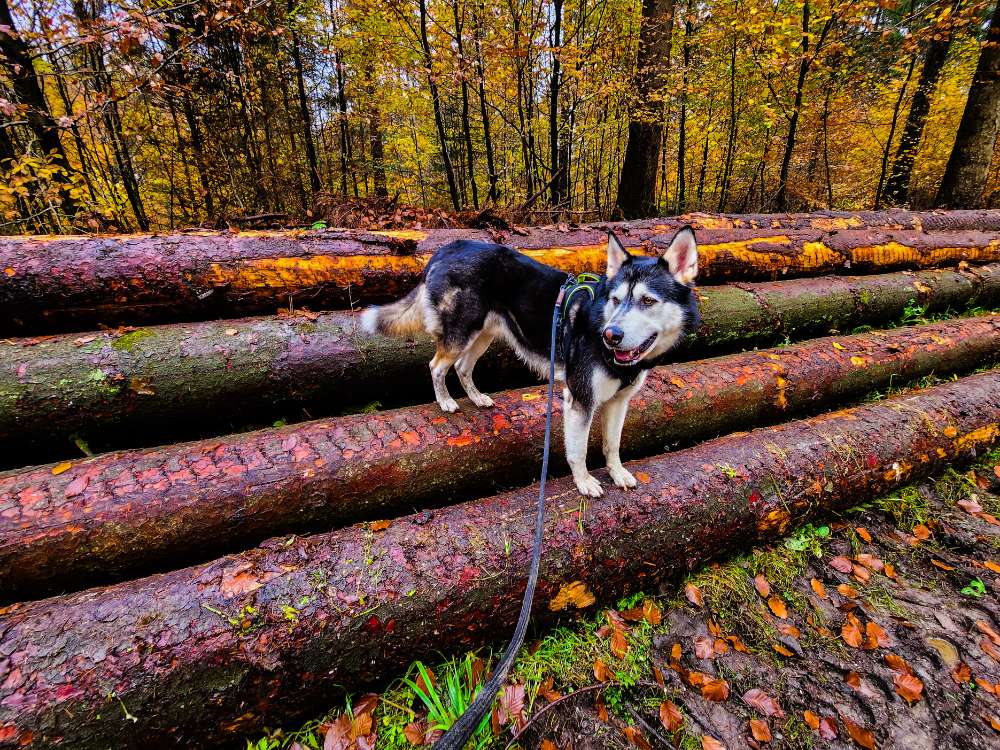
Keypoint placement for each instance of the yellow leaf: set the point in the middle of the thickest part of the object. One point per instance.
(839, 347)
(576, 594)
(60, 468)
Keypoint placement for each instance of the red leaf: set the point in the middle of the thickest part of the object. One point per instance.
(908, 686)
(715, 690)
(693, 594)
(763, 587)
(858, 733)
(763, 702)
(670, 716)
(704, 647)
(841, 563)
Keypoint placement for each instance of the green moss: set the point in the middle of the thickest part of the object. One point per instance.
(127, 341)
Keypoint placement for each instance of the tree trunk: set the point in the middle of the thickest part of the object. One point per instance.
(557, 166)
(466, 116)
(315, 183)
(892, 133)
(154, 385)
(121, 515)
(484, 113)
(637, 186)
(267, 635)
(897, 187)
(449, 170)
(182, 277)
(727, 170)
(682, 124)
(969, 163)
(16, 57)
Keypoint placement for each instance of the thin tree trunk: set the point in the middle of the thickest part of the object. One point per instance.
(877, 203)
(727, 170)
(463, 70)
(897, 187)
(494, 194)
(971, 156)
(449, 170)
(558, 198)
(307, 135)
(637, 186)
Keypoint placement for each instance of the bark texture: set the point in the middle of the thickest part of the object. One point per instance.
(74, 283)
(155, 385)
(206, 654)
(124, 514)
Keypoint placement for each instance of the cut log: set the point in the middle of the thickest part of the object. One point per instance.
(73, 283)
(203, 655)
(155, 385)
(118, 515)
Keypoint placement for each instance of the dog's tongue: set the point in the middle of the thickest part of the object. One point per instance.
(624, 356)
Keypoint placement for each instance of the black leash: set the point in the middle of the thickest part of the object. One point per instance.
(466, 724)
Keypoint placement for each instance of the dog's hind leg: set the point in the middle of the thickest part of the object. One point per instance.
(467, 363)
(444, 358)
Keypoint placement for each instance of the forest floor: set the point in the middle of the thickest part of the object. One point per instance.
(880, 628)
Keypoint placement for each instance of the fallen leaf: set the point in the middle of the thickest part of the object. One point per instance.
(970, 506)
(841, 564)
(670, 716)
(994, 722)
(961, 674)
(675, 653)
(602, 712)
(876, 633)
(861, 573)
(512, 701)
(990, 649)
(828, 728)
(763, 587)
(548, 745)
(871, 562)
(921, 532)
(838, 346)
(380, 525)
(715, 690)
(849, 591)
(619, 645)
(777, 605)
(414, 732)
(738, 644)
(985, 628)
(704, 647)
(811, 719)
(988, 686)
(853, 679)
(786, 628)
(546, 690)
(760, 731)
(858, 733)
(908, 686)
(693, 594)
(338, 734)
(783, 650)
(863, 533)
(710, 743)
(763, 702)
(575, 594)
(890, 571)
(634, 736)
(818, 588)
(850, 631)
(898, 664)
(990, 565)
(600, 671)
(60, 468)
(943, 566)
(657, 675)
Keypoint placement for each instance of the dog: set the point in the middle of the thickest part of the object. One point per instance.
(473, 292)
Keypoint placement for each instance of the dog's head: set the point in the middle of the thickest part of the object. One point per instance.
(649, 305)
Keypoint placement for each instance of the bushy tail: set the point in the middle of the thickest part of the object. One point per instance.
(398, 319)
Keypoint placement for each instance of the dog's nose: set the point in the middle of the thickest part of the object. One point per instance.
(614, 335)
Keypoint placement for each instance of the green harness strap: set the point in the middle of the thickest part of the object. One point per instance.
(585, 282)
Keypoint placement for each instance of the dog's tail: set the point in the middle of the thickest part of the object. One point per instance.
(401, 318)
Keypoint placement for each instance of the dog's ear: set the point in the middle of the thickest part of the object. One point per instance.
(617, 255)
(681, 256)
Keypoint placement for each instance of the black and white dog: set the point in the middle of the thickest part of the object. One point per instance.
(474, 292)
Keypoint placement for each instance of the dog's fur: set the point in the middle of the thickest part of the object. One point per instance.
(474, 292)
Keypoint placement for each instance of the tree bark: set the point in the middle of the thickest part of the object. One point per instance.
(892, 133)
(637, 185)
(269, 634)
(897, 187)
(558, 168)
(72, 283)
(971, 156)
(494, 194)
(154, 385)
(449, 170)
(466, 116)
(121, 515)
(307, 135)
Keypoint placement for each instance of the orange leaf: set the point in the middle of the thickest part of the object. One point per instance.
(898, 664)
(786, 628)
(961, 674)
(986, 685)
(850, 631)
(670, 716)
(909, 686)
(675, 653)
(985, 629)
(994, 722)
(738, 644)
(990, 565)
(60, 468)
(600, 671)
(943, 566)
(849, 591)
(693, 594)
(548, 745)
(921, 532)
(634, 736)
(782, 649)
(602, 712)
(710, 743)
(818, 587)
(763, 587)
(704, 647)
(990, 649)
(811, 719)
(853, 679)
(777, 605)
(876, 633)
(863, 533)
(760, 731)
(861, 573)
(871, 562)
(858, 733)
(715, 690)
(890, 571)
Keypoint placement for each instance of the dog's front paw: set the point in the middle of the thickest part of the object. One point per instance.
(622, 477)
(482, 400)
(449, 405)
(588, 485)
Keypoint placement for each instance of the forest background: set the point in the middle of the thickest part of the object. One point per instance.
(118, 116)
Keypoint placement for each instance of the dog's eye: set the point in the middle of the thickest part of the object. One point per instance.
(647, 301)
(615, 301)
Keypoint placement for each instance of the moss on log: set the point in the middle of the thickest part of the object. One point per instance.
(203, 655)
(119, 515)
(154, 385)
(73, 283)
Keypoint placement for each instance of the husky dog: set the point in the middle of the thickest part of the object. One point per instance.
(474, 292)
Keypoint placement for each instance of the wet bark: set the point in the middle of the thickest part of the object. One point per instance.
(121, 515)
(154, 385)
(259, 637)
(969, 164)
(75, 283)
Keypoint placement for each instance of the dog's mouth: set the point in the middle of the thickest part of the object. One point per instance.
(631, 356)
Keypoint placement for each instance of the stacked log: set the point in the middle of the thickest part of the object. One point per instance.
(202, 655)
(121, 389)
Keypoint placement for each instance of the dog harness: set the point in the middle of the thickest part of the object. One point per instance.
(585, 282)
